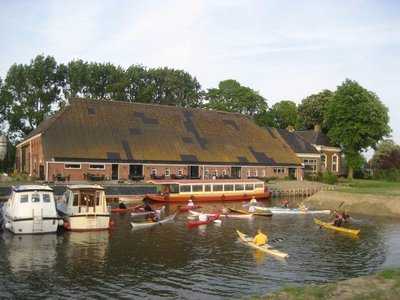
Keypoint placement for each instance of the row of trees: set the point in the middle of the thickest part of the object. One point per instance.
(353, 117)
(385, 163)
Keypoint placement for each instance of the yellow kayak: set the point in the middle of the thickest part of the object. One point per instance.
(340, 229)
(266, 248)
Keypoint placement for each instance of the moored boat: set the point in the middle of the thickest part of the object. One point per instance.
(31, 209)
(265, 248)
(84, 208)
(339, 229)
(208, 190)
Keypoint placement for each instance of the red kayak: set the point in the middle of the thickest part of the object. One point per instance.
(187, 208)
(210, 219)
(124, 210)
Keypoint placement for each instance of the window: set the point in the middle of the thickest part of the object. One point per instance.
(215, 173)
(248, 173)
(72, 166)
(279, 170)
(46, 198)
(76, 200)
(249, 187)
(323, 160)
(153, 171)
(217, 188)
(264, 173)
(310, 165)
(167, 172)
(228, 187)
(258, 186)
(207, 187)
(23, 199)
(239, 187)
(335, 165)
(180, 172)
(223, 172)
(35, 198)
(197, 188)
(185, 188)
(206, 172)
(97, 167)
(255, 173)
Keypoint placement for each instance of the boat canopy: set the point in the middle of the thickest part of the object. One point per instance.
(207, 181)
(33, 187)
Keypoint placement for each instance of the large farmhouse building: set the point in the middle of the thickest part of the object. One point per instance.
(113, 140)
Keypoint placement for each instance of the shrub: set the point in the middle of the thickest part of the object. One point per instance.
(389, 175)
(329, 178)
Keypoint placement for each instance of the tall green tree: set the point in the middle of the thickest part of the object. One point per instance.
(233, 97)
(312, 109)
(284, 114)
(35, 90)
(357, 120)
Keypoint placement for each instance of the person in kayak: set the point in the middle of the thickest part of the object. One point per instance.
(338, 219)
(190, 203)
(285, 203)
(122, 205)
(345, 217)
(260, 239)
(253, 201)
(252, 209)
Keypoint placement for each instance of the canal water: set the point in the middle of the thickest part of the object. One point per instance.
(172, 261)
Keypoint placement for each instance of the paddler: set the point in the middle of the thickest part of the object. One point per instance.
(122, 205)
(253, 201)
(345, 216)
(260, 239)
(285, 203)
(338, 219)
(190, 203)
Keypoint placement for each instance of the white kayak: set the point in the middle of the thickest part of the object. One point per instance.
(230, 216)
(281, 210)
(145, 213)
(152, 223)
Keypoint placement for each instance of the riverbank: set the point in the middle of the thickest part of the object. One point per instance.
(365, 197)
(384, 285)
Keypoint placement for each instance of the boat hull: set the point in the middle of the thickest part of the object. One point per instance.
(32, 226)
(279, 210)
(206, 198)
(87, 222)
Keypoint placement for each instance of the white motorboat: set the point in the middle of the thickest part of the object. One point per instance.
(31, 209)
(84, 208)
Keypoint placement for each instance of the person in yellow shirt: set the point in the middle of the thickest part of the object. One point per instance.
(260, 239)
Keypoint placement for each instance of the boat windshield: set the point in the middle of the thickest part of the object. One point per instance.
(168, 188)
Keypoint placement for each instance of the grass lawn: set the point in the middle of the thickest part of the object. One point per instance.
(374, 187)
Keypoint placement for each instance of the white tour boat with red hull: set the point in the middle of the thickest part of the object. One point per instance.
(208, 190)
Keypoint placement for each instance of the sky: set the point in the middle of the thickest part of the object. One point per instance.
(286, 50)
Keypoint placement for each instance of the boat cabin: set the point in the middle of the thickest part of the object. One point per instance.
(210, 190)
(30, 209)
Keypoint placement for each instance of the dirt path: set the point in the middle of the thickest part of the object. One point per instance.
(378, 205)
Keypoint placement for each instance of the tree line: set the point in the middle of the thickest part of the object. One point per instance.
(353, 117)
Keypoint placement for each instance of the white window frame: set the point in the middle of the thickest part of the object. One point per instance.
(223, 172)
(167, 172)
(154, 171)
(336, 164)
(102, 168)
(325, 161)
(68, 168)
(180, 172)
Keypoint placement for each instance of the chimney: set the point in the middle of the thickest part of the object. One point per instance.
(290, 128)
(317, 128)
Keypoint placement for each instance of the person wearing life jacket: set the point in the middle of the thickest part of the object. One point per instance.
(252, 209)
(190, 203)
(260, 239)
(345, 216)
(253, 201)
(338, 219)
(285, 203)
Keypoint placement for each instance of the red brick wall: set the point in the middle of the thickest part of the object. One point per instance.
(76, 174)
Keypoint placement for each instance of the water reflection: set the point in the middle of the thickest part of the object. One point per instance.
(30, 253)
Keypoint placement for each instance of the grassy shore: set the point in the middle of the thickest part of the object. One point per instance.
(384, 285)
(371, 187)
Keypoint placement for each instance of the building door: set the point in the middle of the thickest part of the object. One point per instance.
(292, 173)
(41, 172)
(236, 172)
(114, 172)
(135, 171)
(194, 172)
